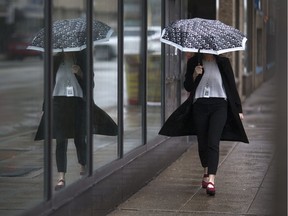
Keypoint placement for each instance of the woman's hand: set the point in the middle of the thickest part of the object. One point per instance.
(197, 71)
(77, 70)
(241, 116)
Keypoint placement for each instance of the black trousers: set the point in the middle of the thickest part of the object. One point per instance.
(69, 122)
(61, 152)
(210, 115)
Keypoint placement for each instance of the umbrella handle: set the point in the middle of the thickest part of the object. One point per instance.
(199, 57)
(200, 61)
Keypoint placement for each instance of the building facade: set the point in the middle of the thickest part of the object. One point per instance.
(137, 82)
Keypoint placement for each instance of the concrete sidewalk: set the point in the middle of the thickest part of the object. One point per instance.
(245, 180)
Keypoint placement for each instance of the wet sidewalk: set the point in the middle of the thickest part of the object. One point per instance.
(244, 180)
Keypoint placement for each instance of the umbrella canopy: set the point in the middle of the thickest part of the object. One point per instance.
(203, 35)
(69, 35)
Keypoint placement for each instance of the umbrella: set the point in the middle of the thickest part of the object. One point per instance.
(203, 35)
(69, 35)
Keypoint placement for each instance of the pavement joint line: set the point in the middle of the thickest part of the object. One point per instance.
(185, 211)
(228, 154)
(32, 174)
(182, 206)
(214, 212)
(15, 136)
(261, 184)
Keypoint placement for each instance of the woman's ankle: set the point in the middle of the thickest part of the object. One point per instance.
(211, 178)
(62, 175)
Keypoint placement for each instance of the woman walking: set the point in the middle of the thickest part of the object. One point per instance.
(213, 111)
(69, 112)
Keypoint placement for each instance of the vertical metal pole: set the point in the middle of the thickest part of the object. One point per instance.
(143, 70)
(179, 61)
(163, 64)
(120, 77)
(48, 113)
(89, 84)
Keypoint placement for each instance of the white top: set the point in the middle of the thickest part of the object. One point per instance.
(211, 84)
(66, 82)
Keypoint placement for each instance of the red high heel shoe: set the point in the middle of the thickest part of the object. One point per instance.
(204, 183)
(210, 190)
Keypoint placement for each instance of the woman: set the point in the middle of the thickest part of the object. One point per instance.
(69, 112)
(213, 111)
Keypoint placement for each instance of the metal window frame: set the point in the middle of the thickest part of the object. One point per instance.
(163, 65)
(48, 111)
(143, 70)
(120, 80)
(89, 85)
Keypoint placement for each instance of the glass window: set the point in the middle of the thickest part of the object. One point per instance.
(21, 93)
(132, 102)
(69, 92)
(105, 87)
(153, 69)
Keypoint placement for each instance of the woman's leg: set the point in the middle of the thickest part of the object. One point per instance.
(61, 161)
(80, 136)
(217, 122)
(80, 144)
(210, 117)
(201, 120)
(61, 155)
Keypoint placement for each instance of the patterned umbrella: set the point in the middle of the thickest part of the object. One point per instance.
(203, 35)
(70, 35)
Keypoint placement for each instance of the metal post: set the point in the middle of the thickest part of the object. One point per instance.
(143, 70)
(89, 84)
(120, 77)
(48, 112)
(163, 64)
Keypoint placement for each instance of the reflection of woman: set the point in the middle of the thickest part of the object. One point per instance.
(69, 112)
(213, 111)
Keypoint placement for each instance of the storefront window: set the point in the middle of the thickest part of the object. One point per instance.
(132, 61)
(21, 93)
(105, 86)
(68, 123)
(153, 69)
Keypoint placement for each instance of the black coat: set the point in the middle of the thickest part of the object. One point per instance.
(70, 112)
(180, 122)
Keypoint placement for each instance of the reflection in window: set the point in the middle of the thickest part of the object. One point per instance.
(153, 69)
(105, 88)
(132, 109)
(21, 93)
(69, 142)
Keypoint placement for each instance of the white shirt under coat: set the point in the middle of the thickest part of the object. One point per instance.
(65, 78)
(212, 79)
